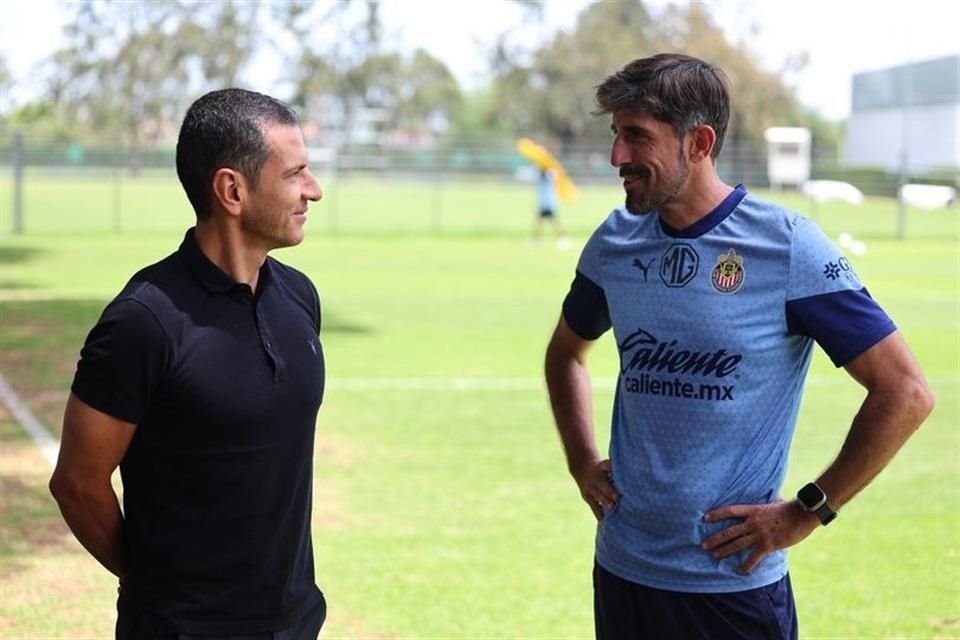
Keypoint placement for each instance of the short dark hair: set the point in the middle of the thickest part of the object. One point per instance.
(683, 91)
(224, 128)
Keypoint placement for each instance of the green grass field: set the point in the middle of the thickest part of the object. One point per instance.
(442, 505)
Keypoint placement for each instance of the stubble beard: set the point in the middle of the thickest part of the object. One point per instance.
(271, 230)
(653, 199)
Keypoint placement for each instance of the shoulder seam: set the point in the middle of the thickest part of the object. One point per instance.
(131, 297)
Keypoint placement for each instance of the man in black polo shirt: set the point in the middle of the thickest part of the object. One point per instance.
(202, 381)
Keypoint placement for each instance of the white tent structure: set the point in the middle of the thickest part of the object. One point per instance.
(788, 156)
(828, 190)
(927, 196)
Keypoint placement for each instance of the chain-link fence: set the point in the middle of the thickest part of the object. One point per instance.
(48, 186)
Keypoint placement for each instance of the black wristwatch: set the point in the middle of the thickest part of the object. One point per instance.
(813, 499)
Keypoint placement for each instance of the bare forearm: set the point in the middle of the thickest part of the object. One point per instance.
(571, 400)
(887, 418)
(91, 448)
(97, 522)
(885, 421)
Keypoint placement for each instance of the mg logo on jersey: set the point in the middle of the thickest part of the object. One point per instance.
(679, 265)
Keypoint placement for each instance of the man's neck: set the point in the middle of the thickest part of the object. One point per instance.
(223, 244)
(694, 203)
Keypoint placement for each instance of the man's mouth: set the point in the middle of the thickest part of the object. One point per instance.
(631, 175)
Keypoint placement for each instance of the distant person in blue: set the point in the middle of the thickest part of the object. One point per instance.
(547, 207)
(202, 381)
(716, 300)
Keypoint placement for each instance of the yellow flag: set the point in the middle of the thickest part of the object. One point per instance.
(543, 159)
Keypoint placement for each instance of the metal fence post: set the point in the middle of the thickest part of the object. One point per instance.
(436, 204)
(117, 207)
(18, 161)
(901, 203)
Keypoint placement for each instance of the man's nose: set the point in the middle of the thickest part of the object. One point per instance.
(312, 191)
(619, 153)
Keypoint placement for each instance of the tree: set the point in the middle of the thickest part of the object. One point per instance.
(38, 116)
(759, 99)
(131, 68)
(553, 95)
(329, 72)
(6, 84)
(352, 77)
(428, 96)
(472, 125)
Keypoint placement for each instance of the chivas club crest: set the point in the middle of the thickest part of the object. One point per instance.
(728, 274)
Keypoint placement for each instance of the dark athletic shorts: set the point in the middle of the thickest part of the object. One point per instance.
(624, 610)
(546, 213)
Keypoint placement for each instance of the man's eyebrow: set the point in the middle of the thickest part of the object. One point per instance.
(294, 170)
(630, 129)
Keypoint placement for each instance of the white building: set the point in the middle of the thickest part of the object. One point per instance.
(788, 156)
(906, 116)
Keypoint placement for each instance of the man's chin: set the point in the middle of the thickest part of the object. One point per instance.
(637, 209)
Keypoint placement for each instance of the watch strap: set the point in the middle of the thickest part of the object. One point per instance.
(825, 513)
(813, 498)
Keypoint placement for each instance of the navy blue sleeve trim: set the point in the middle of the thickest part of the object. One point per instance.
(844, 323)
(585, 308)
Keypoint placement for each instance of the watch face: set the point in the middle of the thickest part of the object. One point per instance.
(811, 496)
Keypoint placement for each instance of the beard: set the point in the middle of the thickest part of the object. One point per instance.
(270, 229)
(655, 196)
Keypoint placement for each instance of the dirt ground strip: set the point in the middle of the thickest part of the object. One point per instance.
(49, 586)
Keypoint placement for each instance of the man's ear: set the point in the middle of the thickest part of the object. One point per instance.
(702, 139)
(229, 190)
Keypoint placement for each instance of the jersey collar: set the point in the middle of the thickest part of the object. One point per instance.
(712, 219)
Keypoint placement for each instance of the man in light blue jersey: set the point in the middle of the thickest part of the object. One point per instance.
(716, 299)
(547, 207)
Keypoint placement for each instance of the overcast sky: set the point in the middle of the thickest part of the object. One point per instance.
(842, 37)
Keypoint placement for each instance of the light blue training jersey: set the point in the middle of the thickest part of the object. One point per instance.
(715, 326)
(547, 191)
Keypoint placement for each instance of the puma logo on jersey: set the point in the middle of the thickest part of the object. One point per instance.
(644, 268)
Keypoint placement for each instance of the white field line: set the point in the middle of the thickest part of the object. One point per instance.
(49, 446)
(445, 384)
(490, 384)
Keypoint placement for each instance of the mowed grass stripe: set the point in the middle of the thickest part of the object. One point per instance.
(443, 508)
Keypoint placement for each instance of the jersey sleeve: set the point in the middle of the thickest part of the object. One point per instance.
(585, 308)
(123, 361)
(826, 300)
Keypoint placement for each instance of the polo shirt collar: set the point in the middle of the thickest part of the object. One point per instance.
(210, 275)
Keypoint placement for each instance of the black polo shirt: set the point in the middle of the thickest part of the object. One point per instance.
(224, 387)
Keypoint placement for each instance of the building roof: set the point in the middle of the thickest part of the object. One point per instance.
(930, 82)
